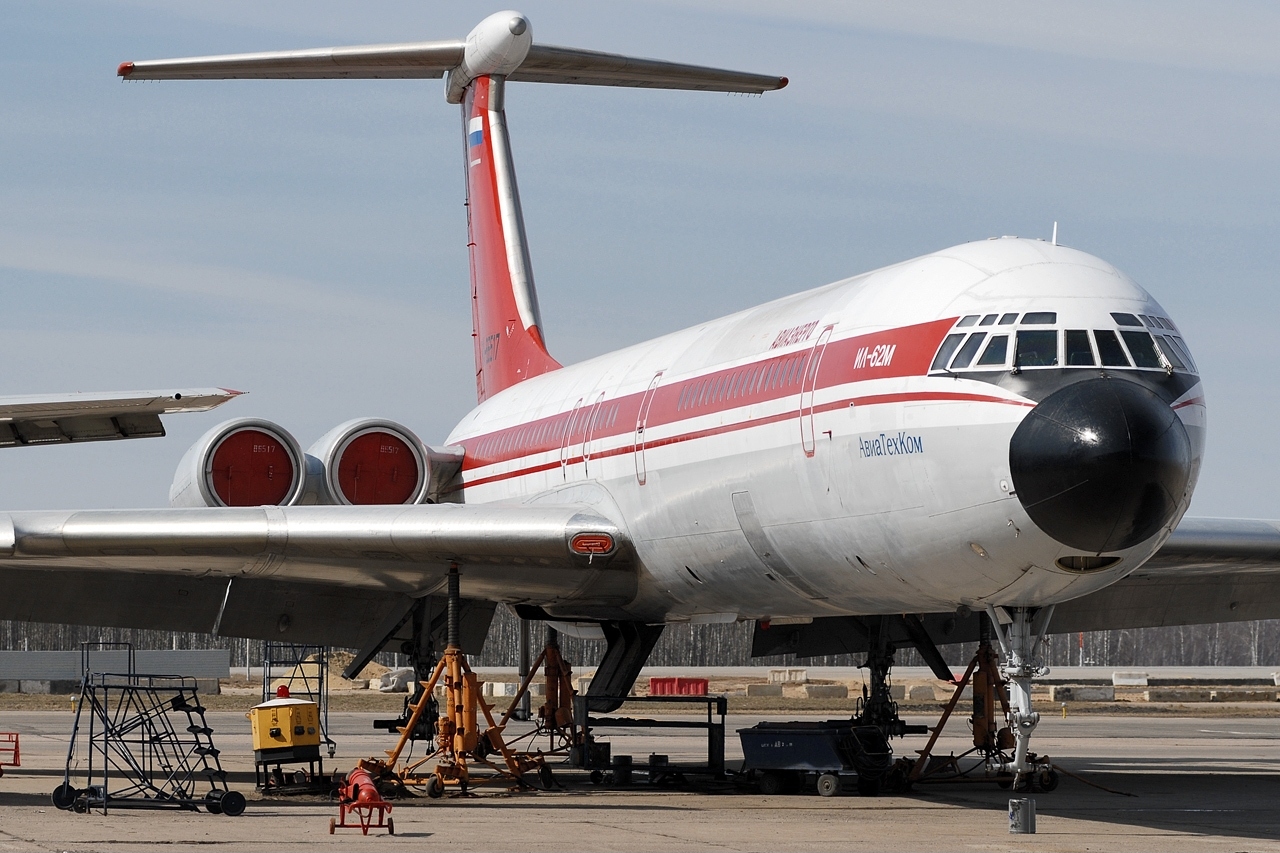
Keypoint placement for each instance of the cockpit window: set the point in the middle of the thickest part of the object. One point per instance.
(968, 351)
(1109, 349)
(1142, 349)
(1078, 351)
(1037, 348)
(945, 351)
(1170, 354)
(996, 353)
(968, 321)
(1040, 318)
(1125, 320)
(1008, 319)
(989, 320)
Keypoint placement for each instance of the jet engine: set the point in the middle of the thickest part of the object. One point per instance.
(244, 462)
(368, 461)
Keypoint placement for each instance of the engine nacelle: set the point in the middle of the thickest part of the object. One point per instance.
(244, 462)
(368, 461)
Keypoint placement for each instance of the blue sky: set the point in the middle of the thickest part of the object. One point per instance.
(305, 240)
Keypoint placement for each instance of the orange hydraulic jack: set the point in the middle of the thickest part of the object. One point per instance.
(460, 745)
(555, 715)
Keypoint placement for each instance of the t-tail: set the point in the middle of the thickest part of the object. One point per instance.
(509, 344)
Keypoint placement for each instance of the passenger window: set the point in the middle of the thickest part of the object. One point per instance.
(989, 320)
(968, 351)
(1142, 349)
(945, 352)
(1079, 353)
(1169, 353)
(1125, 320)
(1008, 319)
(1037, 349)
(996, 353)
(1109, 349)
(1040, 318)
(968, 321)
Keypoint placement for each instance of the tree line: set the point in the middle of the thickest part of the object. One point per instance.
(1226, 644)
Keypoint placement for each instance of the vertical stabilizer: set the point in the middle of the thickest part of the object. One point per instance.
(506, 324)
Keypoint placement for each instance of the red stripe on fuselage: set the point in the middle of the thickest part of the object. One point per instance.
(844, 361)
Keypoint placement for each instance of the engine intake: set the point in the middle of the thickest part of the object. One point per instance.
(244, 462)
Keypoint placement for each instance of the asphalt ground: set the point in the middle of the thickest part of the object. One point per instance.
(1197, 783)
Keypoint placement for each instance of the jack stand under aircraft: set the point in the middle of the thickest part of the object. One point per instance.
(555, 715)
(461, 748)
(992, 681)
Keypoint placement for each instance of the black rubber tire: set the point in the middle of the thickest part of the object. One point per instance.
(828, 785)
(770, 784)
(64, 796)
(435, 787)
(233, 803)
(868, 787)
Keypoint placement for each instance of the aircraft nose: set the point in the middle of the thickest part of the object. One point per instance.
(1101, 464)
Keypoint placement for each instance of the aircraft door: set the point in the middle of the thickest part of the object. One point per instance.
(642, 420)
(589, 427)
(807, 386)
(566, 440)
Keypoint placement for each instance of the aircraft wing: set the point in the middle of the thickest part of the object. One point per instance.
(1210, 570)
(301, 574)
(63, 418)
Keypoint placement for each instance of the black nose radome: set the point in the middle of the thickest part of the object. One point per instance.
(1101, 464)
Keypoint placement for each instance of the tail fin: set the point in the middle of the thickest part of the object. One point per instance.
(508, 331)
(506, 324)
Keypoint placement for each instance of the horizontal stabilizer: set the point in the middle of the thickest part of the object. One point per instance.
(543, 64)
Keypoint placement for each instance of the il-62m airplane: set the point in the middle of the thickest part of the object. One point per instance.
(1000, 436)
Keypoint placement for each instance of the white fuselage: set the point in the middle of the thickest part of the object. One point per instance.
(801, 458)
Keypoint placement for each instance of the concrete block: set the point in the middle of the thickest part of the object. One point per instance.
(921, 693)
(30, 686)
(1178, 694)
(1082, 693)
(1244, 694)
(790, 675)
(826, 691)
(10, 686)
(764, 689)
(1128, 679)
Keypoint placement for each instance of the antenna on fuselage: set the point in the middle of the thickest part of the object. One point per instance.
(509, 346)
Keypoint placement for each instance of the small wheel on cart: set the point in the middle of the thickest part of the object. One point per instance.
(868, 787)
(828, 785)
(233, 803)
(1047, 779)
(435, 786)
(213, 802)
(769, 783)
(333, 825)
(64, 796)
(391, 826)
(597, 778)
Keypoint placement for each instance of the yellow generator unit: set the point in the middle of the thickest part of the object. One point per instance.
(285, 730)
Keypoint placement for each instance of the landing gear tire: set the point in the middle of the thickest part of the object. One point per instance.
(769, 784)
(828, 785)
